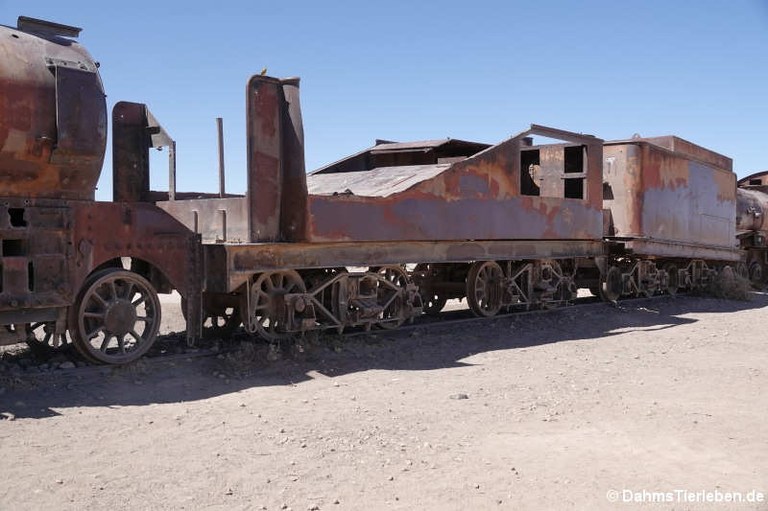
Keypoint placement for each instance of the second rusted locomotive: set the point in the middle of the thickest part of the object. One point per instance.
(751, 224)
(372, 240)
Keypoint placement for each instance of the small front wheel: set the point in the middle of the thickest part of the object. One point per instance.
(485, 288)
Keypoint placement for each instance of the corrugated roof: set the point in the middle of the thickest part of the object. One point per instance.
(427, 144)
(419, 144)
(379, 182)
(449, 146)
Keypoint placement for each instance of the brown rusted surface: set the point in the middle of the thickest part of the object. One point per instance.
(163, 249)
(53, 124)
(105, 231)
(228, 266)
(49, 248)
(692, 151)
(674, 199)
(35, 258)
(293, 204)
(478, 196)
(130, 152)
(277, 187)
(266, 108)
(135, 132)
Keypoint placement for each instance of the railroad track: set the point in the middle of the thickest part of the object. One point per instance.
(170, 349)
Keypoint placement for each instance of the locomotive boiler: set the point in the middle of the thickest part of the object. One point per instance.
(53, 114)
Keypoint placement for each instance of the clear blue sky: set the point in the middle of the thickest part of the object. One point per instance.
(409, 70)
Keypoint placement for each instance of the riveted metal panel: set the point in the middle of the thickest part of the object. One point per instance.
(666, 196)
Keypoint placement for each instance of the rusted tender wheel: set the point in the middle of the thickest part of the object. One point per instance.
(484, 288)
(611, 285)
(389, 294)
(116, 317)
(267, 313)
(673, 279)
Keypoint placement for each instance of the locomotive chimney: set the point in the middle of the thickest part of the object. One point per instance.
(220, 133)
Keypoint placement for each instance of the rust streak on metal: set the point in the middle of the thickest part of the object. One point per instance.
(672, 192)
(53, 124)
(264, 98)
(475, 195)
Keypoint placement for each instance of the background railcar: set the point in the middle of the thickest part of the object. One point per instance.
(751, 224)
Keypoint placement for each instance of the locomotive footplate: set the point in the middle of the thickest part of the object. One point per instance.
(229, 266)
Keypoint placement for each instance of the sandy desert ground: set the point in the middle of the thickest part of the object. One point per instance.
(657, 404)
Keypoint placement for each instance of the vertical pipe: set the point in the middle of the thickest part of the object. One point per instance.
(172, 170)
(220, 129)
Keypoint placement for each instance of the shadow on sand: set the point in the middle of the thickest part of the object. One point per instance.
(179, 379)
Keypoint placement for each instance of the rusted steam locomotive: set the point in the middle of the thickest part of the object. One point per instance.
(372, 240)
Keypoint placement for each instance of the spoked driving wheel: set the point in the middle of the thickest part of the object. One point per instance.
(116, 317)
(485, 288)
(267, 312)
(390, 295)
